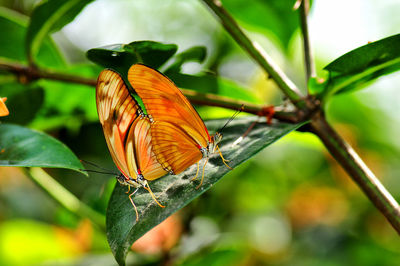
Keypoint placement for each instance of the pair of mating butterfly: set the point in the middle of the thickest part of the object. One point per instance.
(169, 139)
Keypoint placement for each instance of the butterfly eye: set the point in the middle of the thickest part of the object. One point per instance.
(121, 179)
(204, 151)
(140, 178)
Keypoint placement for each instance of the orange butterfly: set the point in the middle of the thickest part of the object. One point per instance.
(179, 136)
(3, 108)
(127, 132)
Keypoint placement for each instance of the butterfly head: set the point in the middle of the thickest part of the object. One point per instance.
(129, 181)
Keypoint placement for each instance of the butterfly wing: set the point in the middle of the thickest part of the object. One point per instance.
(119, 116)
(3, 108)
(165, 102)
(176, 151)
(139, 148)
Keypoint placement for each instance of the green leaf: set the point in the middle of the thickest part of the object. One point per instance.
(12, 47)
(12, 25)
(277, 17)
(193, 54)
(207, 83)
(316, 85)
(78, 106)
(23, 102)
(120, 57)
(48, 17)
(358, 67)
(20, 146)
(177, 191)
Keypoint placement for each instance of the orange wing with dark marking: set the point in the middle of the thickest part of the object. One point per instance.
(126, 130)
(139, 148)
(165, 102)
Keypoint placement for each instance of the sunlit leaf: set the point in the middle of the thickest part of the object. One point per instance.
(177, 191)
(20, 146)
(50, 16)
(355, 69)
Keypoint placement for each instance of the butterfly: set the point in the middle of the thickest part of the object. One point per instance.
(3, 108)
(179, 136)
(127, 132)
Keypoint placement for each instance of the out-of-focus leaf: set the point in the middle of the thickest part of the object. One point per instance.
(22, 102)
(120, 57)
(211, 84)
(12, 45)
(316, 85)
(177, 191)
(20, 146)
(275, 16)
(193, 54)
(217, 256)
(50, 16)
(12, 25)
(78, 104)
(39, 236)
(358, 67)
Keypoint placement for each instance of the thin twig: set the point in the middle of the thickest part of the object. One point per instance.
(256, 52)
(220, 101)
(308, 57)
(358, 171)
(28, 74)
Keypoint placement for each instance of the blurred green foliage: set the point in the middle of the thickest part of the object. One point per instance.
(290, 205)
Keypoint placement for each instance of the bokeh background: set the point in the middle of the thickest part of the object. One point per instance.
(292, 204)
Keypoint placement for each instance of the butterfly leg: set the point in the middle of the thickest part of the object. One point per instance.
(133, 204)
(223, 159)
(129, 189)
(202, 176)
(197, 172)
(152, 195)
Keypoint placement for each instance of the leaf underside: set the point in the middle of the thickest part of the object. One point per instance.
(20, 146)
(356, 68)
(175, 192)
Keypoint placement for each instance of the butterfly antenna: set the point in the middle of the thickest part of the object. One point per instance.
(105, 171)
(95, 165)
(232, 117)
(98, 172)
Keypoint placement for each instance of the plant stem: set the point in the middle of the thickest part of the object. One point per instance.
(27, 74)
(308, 58)
(64, 197)
(228, 103)
(357, 170)
(339, 149)
(257, 53)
